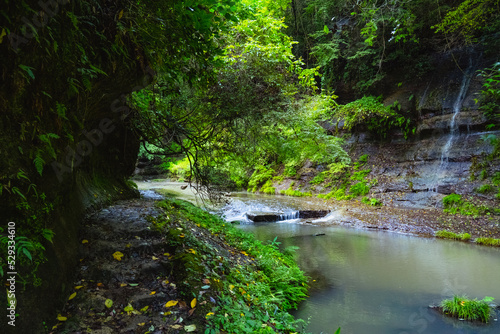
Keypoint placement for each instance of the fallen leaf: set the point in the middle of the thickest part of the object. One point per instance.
(209, 314)
(85, 241)
(206, 281)
(73, 295)
(145, 308)
(176, 326)
(118, 255)
(120, 14)
(154, 257)
(193, 303)
(61, 318)
(182, 304)
(171, 303)
(141, 324)
(181, 235)
(128, 308)
(78, 287)
(133, 284)
(100, 285)
(166, 254)
(192, 251)
(205, 287)
(108, 303)
(190, 328)
(152, 292)
(191, 311)
(123, 284)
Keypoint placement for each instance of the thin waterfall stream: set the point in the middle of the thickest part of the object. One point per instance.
(454, 130)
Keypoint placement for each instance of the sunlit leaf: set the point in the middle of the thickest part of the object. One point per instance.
(73, 295)
(152, 292)
(61, 318)
(171, 303)
(118, 255)
(108, 303)
(78, 287)
(193, 303)
(145, 308)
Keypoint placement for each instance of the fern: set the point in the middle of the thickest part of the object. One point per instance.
(39, 163)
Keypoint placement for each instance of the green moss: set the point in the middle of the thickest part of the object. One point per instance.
(371, 201)
(488, 242)
(453, 236)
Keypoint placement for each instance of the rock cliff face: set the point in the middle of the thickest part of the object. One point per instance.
(66, 140)
(448, 142)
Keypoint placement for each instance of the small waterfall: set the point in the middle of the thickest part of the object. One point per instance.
(457, 107)
(289, 215)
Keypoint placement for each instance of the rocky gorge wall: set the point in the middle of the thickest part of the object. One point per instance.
(448, 145)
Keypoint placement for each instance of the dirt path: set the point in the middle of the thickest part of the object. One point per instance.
(139, 284)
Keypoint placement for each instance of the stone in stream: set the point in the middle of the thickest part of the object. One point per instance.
(258, 216)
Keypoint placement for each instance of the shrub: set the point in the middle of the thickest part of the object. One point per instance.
(464, 308)
(485, 188)
(359, 189)
(261, 175)
(371, 201)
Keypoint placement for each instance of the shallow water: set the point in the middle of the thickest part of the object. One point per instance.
(374, 282)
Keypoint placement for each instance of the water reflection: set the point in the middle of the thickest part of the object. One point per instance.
(380, 282)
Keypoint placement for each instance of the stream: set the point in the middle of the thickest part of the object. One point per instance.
(369, 281)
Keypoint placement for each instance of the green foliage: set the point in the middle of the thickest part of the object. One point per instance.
(467, 20)
(260, 175)
(469, 309)
(454, 236)
(454, 204)
(371, 201)
(490, 93)
(297, 193)
(485, 188)
(370, 112)
(488, 241)
(180, 169)
(359, 189)
(262, 288)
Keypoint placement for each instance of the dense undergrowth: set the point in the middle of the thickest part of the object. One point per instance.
(254, 284)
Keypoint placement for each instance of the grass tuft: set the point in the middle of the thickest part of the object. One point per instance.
(468, 309)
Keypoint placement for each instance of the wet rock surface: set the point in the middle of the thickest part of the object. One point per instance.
(139, 284)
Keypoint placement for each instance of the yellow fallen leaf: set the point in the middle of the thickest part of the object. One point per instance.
(171, 303)
(145, 308)
(190, 250)
(123, 284)
(193, 303)
(231, 287)
(61, 318)
(118, 255)
(152, 292)
(154, 257)
(166, 254)
(141, 324)
(176, 326)
(120, 14)
(181, 235)
(209, 314)
(100, 284)
(73, 295)
(78, 287)
(85, 241)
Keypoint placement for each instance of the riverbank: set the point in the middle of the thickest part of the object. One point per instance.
(169, 267)
(423, 222)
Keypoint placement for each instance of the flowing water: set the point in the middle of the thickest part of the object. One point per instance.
(373, 281)
(457, 107)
